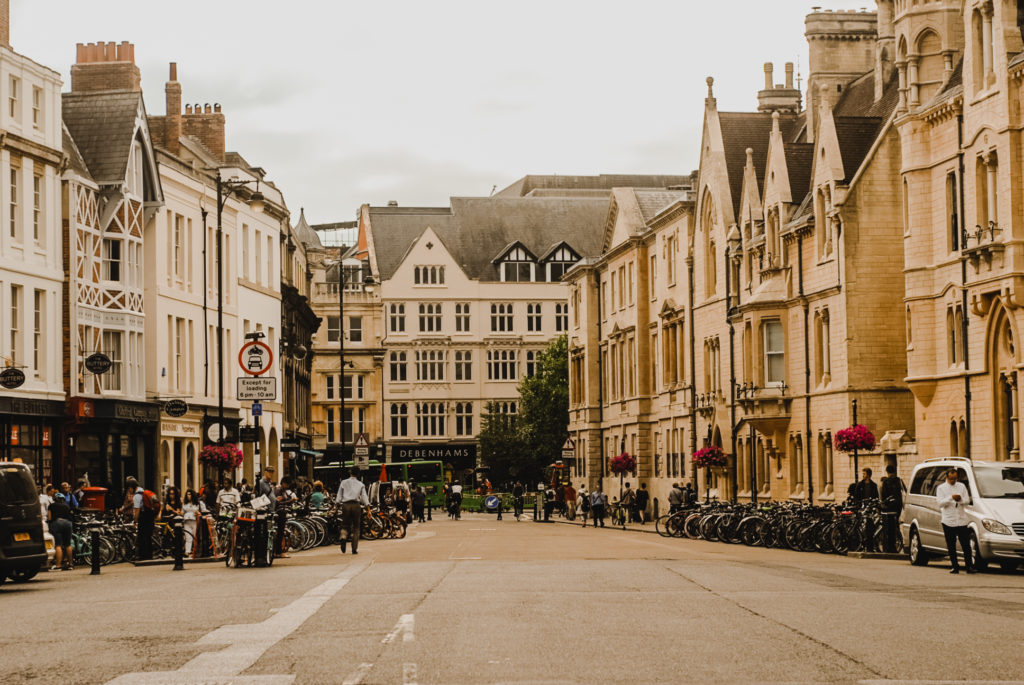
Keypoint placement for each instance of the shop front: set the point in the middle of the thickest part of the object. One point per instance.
(459, 459)
(180, 444)
(109, 440)
(30, 432)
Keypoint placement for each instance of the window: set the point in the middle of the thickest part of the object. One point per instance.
(986, 187)
(111, 259)
(179, 353)
(179, 246)
(330, 425)
(428, 275)
(333, 328)
(464, 418)
(517, 267)
(396, 318)
(399, 420)
(355, 329)
(245, 251)
(652, 276)
(112, 342)
(352, 387)
(559, 262)
(430, 317)
(12, 99)
(954, 334)
(38, 353)
(463, 365)
(37, 107)
(952, 214)
(671, 246)
(430, 365)
(16, 323)
(629, 283)
(561, 317)
(501, 317)
(501, 365)
(346, 423)
(257, 252)
(533, 317)
(430, 418)
(462, 317)
(330, 387)
(774, 353)
(910, 329)
(531, 363)
(12, 206)
(399, 367)
(37, 207)
(508, 408)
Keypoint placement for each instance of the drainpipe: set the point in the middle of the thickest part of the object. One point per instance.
(693, 379)
(600, 376)
(206, 325)
(963, 284)
(732, 373)
(807, 368)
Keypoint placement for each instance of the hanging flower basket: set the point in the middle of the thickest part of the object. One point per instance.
(856, 437)
(224, 457)
(623, 463)
(710, 457)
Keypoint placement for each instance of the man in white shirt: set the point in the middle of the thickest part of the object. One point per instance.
(953, 499)
(351, 497)
(228, 495)
(46, 499)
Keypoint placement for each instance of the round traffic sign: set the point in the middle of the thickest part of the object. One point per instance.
(12, 378)
(255, 358)
(491, 501)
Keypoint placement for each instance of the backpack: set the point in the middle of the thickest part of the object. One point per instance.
(150, 501)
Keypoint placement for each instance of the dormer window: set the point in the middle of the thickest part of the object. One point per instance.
(557, 262)
(135, 170)
(517, 266)
(428, 275)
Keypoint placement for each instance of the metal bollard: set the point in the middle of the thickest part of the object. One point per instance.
(655, 508)
(535, 516)
(179, 544)
(500, 506)
(94, 537)
(259, 545)
(430, 508)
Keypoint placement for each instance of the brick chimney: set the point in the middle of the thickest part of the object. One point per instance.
(5, 23)
(105, 66)
(778, 97)
(205, 123)
(172, 123)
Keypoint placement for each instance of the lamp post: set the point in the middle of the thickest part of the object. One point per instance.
(225, 188)
(368, 286)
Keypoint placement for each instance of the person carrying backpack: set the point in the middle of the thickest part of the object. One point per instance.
(584, 499)
(145, 508)
(892, 503)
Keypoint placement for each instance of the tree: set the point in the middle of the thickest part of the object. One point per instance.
(501, 446)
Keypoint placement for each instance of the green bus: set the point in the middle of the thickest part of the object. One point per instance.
(429, 475)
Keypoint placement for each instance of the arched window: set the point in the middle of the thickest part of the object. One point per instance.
(710, 256)
(954, 440)
(930, 65)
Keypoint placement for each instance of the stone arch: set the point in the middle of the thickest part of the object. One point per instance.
(274, 450)
(930, 64)
(165, 459)
(1003, 357)
(191, 466)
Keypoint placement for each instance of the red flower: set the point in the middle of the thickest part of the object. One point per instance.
(710, 456)
(856, 437)
(223, 456)
(623, 463)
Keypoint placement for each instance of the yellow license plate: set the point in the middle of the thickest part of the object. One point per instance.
(22, 537)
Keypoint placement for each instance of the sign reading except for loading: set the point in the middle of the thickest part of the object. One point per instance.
(12, 378)
(175, 408)
(98, 363)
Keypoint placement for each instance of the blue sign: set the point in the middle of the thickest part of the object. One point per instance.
(491, 501)
(257, 409)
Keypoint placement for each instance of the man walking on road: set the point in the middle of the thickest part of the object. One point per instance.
(641, 498)
(419, 501)
(892, 504)
(675, 498)
(351, 497)
(598, 500)
(953, 499)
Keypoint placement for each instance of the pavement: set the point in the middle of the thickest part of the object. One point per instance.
(486, 601)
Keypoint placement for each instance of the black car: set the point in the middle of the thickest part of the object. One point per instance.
(22, 549)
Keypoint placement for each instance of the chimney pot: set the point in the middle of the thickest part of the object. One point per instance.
(216, 107)
(188, 109)
(174, 71)
(207, 109)
(392, 203)
(789, 75)
(768, 68)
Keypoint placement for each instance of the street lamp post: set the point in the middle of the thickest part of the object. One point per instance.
(225, 188)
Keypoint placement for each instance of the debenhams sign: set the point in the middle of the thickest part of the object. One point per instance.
(431, 452)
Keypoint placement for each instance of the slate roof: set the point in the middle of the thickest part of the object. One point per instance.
(742, 130)
(651, 202)
(475, 229)
(532, 184)
(799, 159)
(75, 161)
(305, 233)
(102, 125)
(856, 135)
(859, 98)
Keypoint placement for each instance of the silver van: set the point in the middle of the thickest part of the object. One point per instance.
(996, 511)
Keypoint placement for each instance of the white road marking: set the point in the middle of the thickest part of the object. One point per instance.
(483, 529)
(408, 674)
(357, 675)
(246, 643)
(405, 624)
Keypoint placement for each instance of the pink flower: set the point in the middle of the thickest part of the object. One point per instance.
(623, 463)
(856, 437)
(710, 456)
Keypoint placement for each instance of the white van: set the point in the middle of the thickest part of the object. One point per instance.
(996, 511)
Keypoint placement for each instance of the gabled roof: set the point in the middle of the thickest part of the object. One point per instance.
(856, 135)
(475, 229)
(742, 130)
(75, 161)
(858, 100)
(102, 125)
(548, 185)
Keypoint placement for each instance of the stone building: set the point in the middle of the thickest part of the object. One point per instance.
(31, 267)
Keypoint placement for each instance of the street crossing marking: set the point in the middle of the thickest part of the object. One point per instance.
(408, 674)
(246, 643)
(405, 625)
(357, 675)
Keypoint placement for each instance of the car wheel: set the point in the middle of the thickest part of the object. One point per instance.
(918, 557)
(23, 575)
(979, 562)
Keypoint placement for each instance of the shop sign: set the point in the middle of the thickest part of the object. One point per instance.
(12, 378)
(248, 434)
(46, 436)
(176, 408)
(14, 434)
(178, 429)
(98, 363)
(440, 452)
(134, 412)
(289, 445)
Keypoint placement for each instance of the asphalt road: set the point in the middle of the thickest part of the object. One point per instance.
(482, 601)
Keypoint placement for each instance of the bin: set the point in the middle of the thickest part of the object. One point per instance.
(95, 498)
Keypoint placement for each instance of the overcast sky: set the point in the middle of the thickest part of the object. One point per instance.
(351, 102)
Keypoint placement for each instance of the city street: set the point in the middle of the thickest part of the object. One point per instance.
(483, 601)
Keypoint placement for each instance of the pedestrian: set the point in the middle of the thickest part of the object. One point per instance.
(264, 487)
(145, 507)
(352, 498)
(45, 500)
(172, 504)
(642, 498)
(598, 502)
(628, 502)
(549, 503)
(675, 499)
(570, 501)
(401, 501)
(61, 528)
(190, 512)
(865, 489)
(228, 497)
(689, 495)
(69, 497)
(317, 497)
(419, 503)
(456, 502)
(953, 498)
(79, 492)
(283, 498)
(244, 487)
(892, 503)
(518, 499)
(584, 499)
(209, 494)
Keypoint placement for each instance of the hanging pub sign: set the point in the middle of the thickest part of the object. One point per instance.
(176, 408)
(98, 363)
(248, 434)
(12, 378)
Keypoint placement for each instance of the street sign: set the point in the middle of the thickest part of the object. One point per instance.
(248, 434)
(176, 408)
(491, 502)
(361, 452)
(255, 358)
(98, 363)
(568, 449)
(254, 389)
(257, 409)
(289, 445)
(216, 432)
(12, 378)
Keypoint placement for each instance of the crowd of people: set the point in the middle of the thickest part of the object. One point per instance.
(594, 505)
